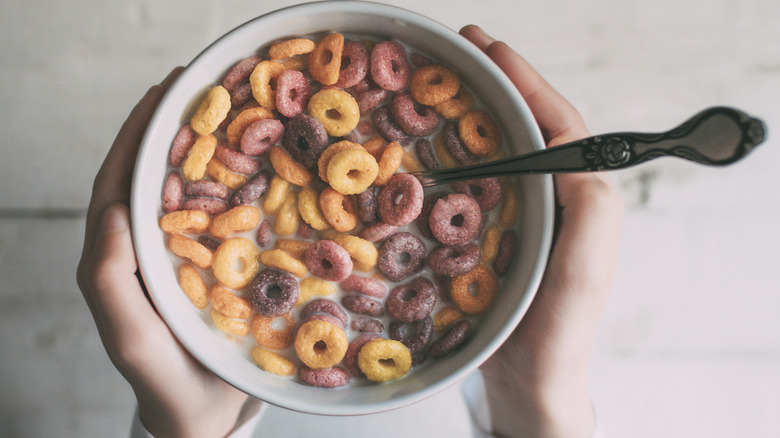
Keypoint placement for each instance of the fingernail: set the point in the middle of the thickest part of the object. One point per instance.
(115, 219)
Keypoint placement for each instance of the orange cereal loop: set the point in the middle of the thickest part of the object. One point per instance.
(229, 304)
(487, 288)
(445, 317)
(191, 250)
(433, 84)
(289, 48)
(276, 194)
(339, 210)
(375, 145)
(490, 244)
(457, 106)
(245, 118)
(314, 286)
(479, 133)
(410, 163)
(300, 63)
(352, 171)
(236, 262)
(286, 167)
(325, 59)
(287, 218)
(363, 253)
(185, 221)
(309, 208)
(279, 259)
(262, 329)
(211, 111)
(329, 152)
(217, 170)
(231, 326)
(194, 166)
(320, 344)
(389, 163)
(238, 219)
(193, 285)
(296, 248)
(272, 362)
(442, 153)
(382, 360)
(510, 207)
(336, 109)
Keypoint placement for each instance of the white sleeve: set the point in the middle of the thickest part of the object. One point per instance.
(473, 389)
(245, 427)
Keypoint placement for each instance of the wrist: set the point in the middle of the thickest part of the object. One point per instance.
(161, 422)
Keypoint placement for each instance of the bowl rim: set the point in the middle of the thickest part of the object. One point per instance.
(217, 366)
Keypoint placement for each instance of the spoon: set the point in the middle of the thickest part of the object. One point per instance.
(716, 136)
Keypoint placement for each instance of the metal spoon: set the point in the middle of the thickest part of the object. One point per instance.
(716, 136)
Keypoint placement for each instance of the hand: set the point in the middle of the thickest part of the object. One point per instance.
(176, 395)
(537, 382)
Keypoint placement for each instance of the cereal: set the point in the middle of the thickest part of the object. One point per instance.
(339, 210)
(387, 127)
(209, 242)
(323, 378)
(415, 335)
(351, 356)
(237, 219)
(365, 324)
(446, 317)
(320, 344)
(235, 262)
(454, 338)
(313, 286)
(229, 304)
(194, 166)
(354, 59)
(423, 219)
(364, 254)
(236, 129)
(325, 306)
(454, 260)
(193, 285)
(400, 212)
(490, 244)
(328, 260)
(240, 72)
(389, 163)
(442, 153)
(336, 109)
(363, 305)
(364, 285)
(287, 168)
(509, 210)
(279, 259)
(329, 152)
(413, 118)
(401, 256)
(454, 108)
(371, 98)
(229, 325)
(287, 218)
(211, 111)
(289, 48)
(377, 232)
(352, 171)
(309, 209)
(411, 301)
(486, 191)
(296, 248)
(305, 138)
(455, 219)
(390, 68)
(325, 58)
(264, 73)
(426, 155)
(272, 362)
(235, 160)
(191, 250)
(260, 135)
(172, 193)
(209, 205)
(433, 84)
(221, 173)
(505, 255)
(277, 193)
(410, 163)
(181, 145)
(206, 188)
(184, 222)
(273, 292)
(264, 333)
(455, 146)
(382, 360)
(487, 288)
(366, 205)
(480, 133)
(251, 191)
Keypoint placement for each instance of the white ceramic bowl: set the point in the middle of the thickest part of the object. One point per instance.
(233, 364)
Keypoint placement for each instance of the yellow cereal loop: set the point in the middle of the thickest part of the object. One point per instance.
(279, 259)
(364, 254)
(314, 286)
(490, 244)
(194, 167)
(272, 362)
(222, 174)
(236, 262)
(260, 81)
(442, 153)
(457, 106)
(185, 221)
(276, 194)
(336, 109)
(382, 360)
(309, 208)
(231, 326)
(509, 209)
(320, 344)
(330, 152)
(193, 285)
(410, 162)
(352, 171)
(296, 248)
(191, 250)
(212, 111)
(287, 217)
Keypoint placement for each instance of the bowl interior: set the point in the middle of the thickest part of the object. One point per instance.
(495, 90)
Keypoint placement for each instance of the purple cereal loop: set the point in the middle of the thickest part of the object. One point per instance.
(364, 285)
(350, 357)
(507, 246)
(377, 232)
(240, 72)
(419, 60)
(416, 341)
(241, 95)
(456, 335)
(209, 242)
(387, 128)
(413, 118)
(371, 98)
(273, 292)
(264, 234)
(292, 93)
(403, 212)
(172, 193)
(443, 285)
(454, 260)
(251, 190)
(401, 256)
(366, 205)
(486, 191)
(355, 56)
(422, 221)
(260, 135)
(212, 206)
(327, 317)
(206, 189)
(455, 219)
(181, 145)
(390, 67)
(364, 324)
(363, 305)
(411, 301)
(305, 138)
(323, 378)
(328, 260)
(235, 160)
(324, 305)
(455, 145)
(426, 155)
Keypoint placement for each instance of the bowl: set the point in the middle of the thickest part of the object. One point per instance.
(428, 36)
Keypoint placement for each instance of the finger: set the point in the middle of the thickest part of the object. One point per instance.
(477, 36)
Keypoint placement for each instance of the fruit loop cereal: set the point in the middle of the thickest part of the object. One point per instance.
(297, 230)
